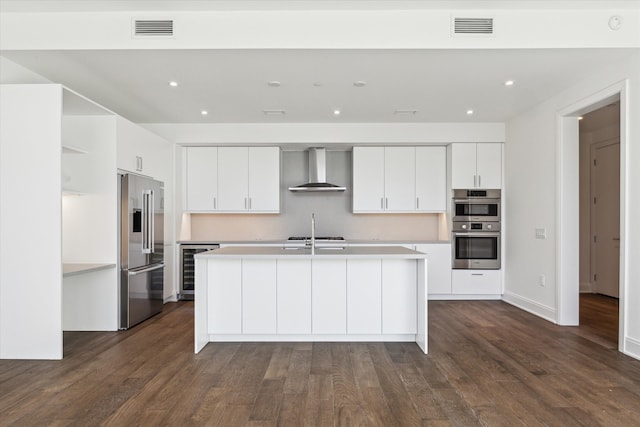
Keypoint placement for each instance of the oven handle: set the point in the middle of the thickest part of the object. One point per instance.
(477, 233)
(478, 200)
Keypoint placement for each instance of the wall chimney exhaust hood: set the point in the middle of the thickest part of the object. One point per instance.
(317, 173)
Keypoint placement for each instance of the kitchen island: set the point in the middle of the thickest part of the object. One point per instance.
(363, 293)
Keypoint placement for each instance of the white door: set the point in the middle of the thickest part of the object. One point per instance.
(605, 167)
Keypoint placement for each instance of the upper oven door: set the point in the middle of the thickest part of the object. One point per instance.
(476, 210)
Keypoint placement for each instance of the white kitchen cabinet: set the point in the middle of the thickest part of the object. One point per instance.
(399, 297)
(476, 282)
(201, 178)
(259, 296)
(399, 179)
(368, 179)
(476, 165)
(294, 296)
(329, 296)
(431, 179)
(249, 179)
(438, 267)
(364, 296)
(142, 151)
(233, 178)
(225, 297)
(264, 179)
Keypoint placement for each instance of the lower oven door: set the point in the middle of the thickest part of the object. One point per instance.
(476, 250)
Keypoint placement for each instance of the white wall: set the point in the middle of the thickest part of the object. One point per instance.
(30, 218)
(531, 165)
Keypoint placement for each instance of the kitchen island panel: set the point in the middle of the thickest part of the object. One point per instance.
(364, 296)
(258, 297)
(294, 296)
(329, 296)
(399, 296)
(225, 297)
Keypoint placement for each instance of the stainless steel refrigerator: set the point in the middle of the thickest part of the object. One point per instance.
(141, 249)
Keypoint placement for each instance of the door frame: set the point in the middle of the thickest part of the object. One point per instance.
(567, 187)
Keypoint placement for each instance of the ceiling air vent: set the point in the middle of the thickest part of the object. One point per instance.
(153, 28)
(483, 26)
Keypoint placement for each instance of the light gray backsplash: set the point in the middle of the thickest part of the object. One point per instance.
(333, 211)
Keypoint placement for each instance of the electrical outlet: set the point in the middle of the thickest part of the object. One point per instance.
(541, 233)
(542, 280)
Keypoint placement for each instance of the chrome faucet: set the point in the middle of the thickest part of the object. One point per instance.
(313, 234)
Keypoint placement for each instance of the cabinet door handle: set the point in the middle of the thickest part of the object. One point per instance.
(417, 202)
(386, 203)
(249, 203)
(475, 179)
(477, 274)
(479, 180)
(215, 202)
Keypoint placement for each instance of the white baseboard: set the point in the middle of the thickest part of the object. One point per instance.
(533, 307)
(586, 287)
(171, 298)
(451, 297)
(632, 347)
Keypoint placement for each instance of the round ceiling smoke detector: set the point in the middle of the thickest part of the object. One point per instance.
(615, 22)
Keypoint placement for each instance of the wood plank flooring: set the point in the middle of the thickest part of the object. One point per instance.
(490, 364)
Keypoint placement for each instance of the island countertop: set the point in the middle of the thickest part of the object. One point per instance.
(262, 252)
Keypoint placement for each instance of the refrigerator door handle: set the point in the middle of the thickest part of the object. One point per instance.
(145, 270)
(147, 243)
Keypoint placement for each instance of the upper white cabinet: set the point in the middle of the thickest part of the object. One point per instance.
(202, 178)
(431, 179)
(233, 179)
(142, 152)
(476, 165)
(399, 179)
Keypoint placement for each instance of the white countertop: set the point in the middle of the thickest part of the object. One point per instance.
(285, 241)
(247, 252)
(69, 269)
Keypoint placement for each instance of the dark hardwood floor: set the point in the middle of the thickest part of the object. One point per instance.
(489, 364)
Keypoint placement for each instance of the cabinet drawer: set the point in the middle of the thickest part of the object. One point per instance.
(476, 282)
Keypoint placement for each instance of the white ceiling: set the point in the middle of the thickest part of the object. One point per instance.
(232, 85)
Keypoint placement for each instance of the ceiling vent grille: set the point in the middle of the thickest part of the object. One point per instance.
(482, 26)
(153, 28)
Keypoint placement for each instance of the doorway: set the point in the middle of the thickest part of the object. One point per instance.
(568, 264)
(599, 132)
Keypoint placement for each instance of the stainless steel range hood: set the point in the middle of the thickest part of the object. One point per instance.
(317, 173)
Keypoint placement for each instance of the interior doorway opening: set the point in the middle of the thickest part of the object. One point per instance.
(599, 171)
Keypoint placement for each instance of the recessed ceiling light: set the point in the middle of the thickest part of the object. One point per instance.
(469, 112)
(173, 83)
(336, 112)
(509, 83)
(204, 112)
(360, 83)
(273, 83)
(273, 112)
(405, 112)
(580, 118)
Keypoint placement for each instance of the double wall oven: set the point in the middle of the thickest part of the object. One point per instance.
(476, 229)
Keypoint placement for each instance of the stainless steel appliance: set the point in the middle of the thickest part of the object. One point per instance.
(187, 268)
(476, 205)
(476, 245)
(141, 249)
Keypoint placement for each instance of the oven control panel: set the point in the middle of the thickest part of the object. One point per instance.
(476, 226)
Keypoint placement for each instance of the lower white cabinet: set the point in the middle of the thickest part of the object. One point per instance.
(399, 296)
(294, 296)
(258, 297)
(476, 282)
(225, 297)
(438, 267)
(364, 296)
(329, 296)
